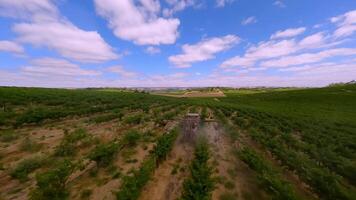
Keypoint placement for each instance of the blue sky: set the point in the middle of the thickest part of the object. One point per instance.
(169, 43)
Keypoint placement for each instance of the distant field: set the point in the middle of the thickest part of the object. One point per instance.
(334, 104)
(283, 144)
(192, 94)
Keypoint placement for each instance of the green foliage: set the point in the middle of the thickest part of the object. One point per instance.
(279, 188)
(204, 113)
(68, 145)
(103, 154)
(39, 105)
(200, 184)
(107, 117)
(52, 184)
(134, 119)
(25, 167)
(29, 145)
(164, 145)
(131, 138)
(133, 184)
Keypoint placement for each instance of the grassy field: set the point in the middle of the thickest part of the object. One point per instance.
(332, 104)
(287, 143)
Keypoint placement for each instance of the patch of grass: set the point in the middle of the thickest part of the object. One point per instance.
(70, 141)
(8, 136)
(131, 138)
(134, 119)
(29, 145)
(103, 154)
(25, 167)
(52, 184)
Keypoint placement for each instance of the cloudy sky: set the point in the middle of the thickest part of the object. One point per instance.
(154, 43)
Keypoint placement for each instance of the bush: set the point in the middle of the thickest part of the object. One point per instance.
(164, 145)
(52, 184)
(131, 138)
(103, 154)
(25, 167)
(68, 144)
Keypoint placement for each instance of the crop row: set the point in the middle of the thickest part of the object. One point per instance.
(200, 184)
(278, 139)
(132, 184)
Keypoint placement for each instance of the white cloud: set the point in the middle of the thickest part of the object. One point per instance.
(67, 39)
(9, 46)
(292, 32)
(122, 72)
(203, 50)
(264, 50)
(57, 67)
(346, 24)
(28, 9)
(222, 3)
(276, 48)
(280, 4)
(308, 57)
(140, 24)
(152, 50)
(249, 20)
(314, 40)
(176, 6)
(46, 28)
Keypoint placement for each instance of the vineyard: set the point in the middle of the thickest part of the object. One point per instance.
(128, 145)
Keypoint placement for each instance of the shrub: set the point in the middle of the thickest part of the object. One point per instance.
(103, 154)
(131, 138)
(164, 145)
(68, 144)
(25, 167)
(52, 184)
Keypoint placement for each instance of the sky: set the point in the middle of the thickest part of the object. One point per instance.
(177, 43)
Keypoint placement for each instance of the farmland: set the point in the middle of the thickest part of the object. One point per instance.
(282, 144)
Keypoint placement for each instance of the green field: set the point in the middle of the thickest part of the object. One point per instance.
(46, 135)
